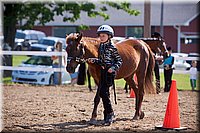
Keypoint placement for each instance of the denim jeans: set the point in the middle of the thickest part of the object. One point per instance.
(56, 75)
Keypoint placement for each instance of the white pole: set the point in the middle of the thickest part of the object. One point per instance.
(178, 28)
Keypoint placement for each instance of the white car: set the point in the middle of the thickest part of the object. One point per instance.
(24, 38)
(181, 64)
(47, 42)
(38, 77)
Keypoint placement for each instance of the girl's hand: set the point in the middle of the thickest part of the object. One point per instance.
(90, 60)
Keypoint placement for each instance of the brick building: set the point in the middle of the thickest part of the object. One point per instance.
(180, 21)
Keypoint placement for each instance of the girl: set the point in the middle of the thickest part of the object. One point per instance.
(193, 75)
(110, 61)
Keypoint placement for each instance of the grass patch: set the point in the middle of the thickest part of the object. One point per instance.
(18, 59)
(7, 81)
(182, 80)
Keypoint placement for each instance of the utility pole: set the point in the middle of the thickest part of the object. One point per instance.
(161, 20)
(147, 18)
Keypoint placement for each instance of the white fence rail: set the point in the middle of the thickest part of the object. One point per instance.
(45, 53)
(37, 53)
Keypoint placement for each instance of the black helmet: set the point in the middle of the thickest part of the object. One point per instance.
(156, 35)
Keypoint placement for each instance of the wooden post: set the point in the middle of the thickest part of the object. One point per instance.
(60, 66)
(147, 18)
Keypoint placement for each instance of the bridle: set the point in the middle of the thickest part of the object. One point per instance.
(158, 39)
(80, 58)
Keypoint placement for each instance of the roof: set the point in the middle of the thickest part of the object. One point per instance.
(31, 32)
(54, 38)
(181, 13)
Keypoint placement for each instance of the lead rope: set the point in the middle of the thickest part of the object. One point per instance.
(114, 91)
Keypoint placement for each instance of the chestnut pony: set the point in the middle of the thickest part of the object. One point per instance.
(136, 56)
(157, 45)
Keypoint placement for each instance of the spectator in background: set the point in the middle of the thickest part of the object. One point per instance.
(168, 70)
(55, 59)
(74, 76)
(158, 61)
(193, 75)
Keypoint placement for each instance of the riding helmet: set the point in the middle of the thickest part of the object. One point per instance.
(105, 29)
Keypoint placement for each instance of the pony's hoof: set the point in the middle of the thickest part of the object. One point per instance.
(137, 117)
(93, 121)
(142, 115)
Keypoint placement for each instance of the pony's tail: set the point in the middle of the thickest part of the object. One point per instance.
(81, 74)
(149, 87)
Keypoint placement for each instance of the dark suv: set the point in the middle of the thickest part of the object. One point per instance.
(24, 39)
(198, 61)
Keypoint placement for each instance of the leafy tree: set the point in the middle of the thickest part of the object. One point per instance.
(44, 12)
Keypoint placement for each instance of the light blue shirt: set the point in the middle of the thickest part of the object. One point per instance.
(168, 61)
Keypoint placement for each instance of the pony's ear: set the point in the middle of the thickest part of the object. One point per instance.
(79, 36)
(66, 35)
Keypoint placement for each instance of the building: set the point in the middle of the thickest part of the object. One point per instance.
(180, 21)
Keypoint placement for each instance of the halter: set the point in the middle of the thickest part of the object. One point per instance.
(80, 58)
(153, 39)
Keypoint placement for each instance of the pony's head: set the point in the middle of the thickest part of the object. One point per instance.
(157, 45)
(74, 50)
(162, 47)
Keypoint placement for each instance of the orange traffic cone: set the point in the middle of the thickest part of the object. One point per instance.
(172, 115)
(132, 94)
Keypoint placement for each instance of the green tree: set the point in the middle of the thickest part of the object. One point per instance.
(13, 13)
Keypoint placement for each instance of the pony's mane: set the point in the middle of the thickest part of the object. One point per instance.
(91, 40)
(91, 45)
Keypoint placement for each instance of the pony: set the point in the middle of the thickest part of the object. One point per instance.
(157, 45)
(137, 59)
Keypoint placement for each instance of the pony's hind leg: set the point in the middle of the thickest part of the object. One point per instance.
(138, 113)
(126, 87)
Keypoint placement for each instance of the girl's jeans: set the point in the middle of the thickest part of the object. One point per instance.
(193, 83)
(56, 75)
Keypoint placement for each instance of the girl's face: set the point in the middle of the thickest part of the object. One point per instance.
(103, 37)
(194, 64)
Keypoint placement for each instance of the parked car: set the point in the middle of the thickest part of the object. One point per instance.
(178, 63)
(198, 61)
(181, 64)
(47, 42)
(38, 77)
(24, 38)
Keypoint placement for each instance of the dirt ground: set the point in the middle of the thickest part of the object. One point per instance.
(29, 108)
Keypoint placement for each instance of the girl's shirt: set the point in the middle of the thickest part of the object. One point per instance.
(169, 61)
(64, 58)
(109, 56)
(193, 73)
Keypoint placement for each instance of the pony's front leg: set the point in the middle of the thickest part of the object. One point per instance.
(89, 81)
(94, 112)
